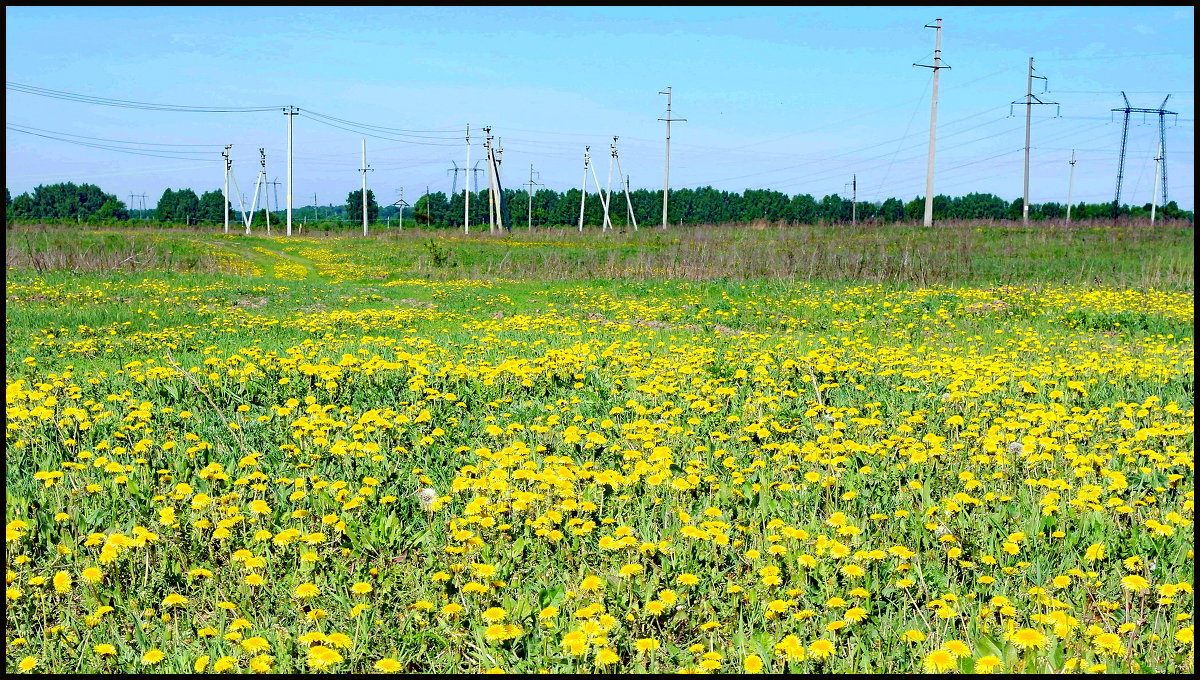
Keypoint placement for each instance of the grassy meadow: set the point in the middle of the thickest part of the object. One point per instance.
(870, 449)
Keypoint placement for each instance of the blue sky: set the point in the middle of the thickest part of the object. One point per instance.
(799, 99)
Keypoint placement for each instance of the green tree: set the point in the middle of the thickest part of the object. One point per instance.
(803, 209)
(212, 207)
(66, 201)
(354, 206)
(891, 210)
(180, 207)
(112, 210)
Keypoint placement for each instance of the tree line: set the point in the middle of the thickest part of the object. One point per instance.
(547, 208)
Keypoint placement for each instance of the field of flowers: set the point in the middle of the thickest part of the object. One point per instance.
(308, 461)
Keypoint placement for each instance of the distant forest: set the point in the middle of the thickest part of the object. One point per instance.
(705, 205)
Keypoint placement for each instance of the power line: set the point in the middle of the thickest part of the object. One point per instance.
(117, 141)
(108, 147)
(129, 104)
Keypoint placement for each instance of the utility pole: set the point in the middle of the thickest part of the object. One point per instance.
(854, 199)
(132, 208)
(266, 212)
(275, 186)
(608, 192)
(937, 66)
(667, 168)
(428, 212)
(145, 216)
(1162, 138)
(225, 155)
(1070, 186)
(621, 173)
(467, 189)
(628, 200)
(587, 162)
(365, 168)
(1154, 197)
(497, 189)
(532, 184)
(600, 193)
(487, 148)
(1030, 100)
(258, 182)
(290, 112)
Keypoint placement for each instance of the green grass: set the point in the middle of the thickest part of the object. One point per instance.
(558, 398)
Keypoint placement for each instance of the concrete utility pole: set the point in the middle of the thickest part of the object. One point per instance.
(467, 188)
(853, 199)
(1030, 100)
(621, 173)
(365, 168)
(532, 184)
(1070, 186)
(1154, 197)
(667, 168)
(266, 191)
(587, 162)
(937, 66)
(497, 191)
(225, 155)
(275, 186)
(608, 192)
(487, 149)
(290, 112)
(628, 200)
(600, 193)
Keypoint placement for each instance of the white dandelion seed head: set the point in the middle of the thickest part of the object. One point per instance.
(1016, 448)
(426, 497)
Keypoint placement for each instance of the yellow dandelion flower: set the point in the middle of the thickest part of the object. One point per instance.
(988, 664)
(646, 644)
(607, 657)
(958, 648)
(940, 661)
(152, 657)
(752, 664)
(1027, 638)
(388, 665)
(307, 590)
(821, 649)
(1135, 583)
